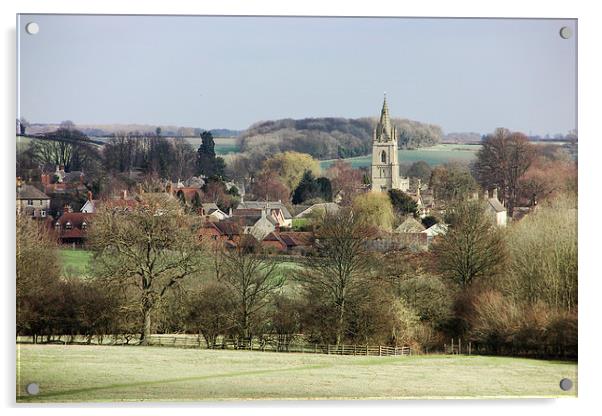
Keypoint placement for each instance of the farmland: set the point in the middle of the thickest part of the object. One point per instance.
(119, 373)
(434, 155)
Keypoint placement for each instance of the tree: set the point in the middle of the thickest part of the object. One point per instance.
(375, 209)
(290, 167)
(345, 180)
(452, 182)
(206, 162)
(473, 247)
(312, 188)
(341, 264)
(501, 162)
(421, 170)
(37, 284)
(150, 248)
(546, 179)
(158, 131)
(402, 202)
(22, 125)
(252, 279)
(67, 125)
(266, 187)
(65, 147)
(429, 221)
(211, 311)
(543, 265)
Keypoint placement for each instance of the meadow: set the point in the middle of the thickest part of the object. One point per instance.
(434, 155)
(76, 373)
(74, 261)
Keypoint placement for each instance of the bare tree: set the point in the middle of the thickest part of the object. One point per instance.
(342, 262)
(502, 161)
(252, 278)
(473, 248)
(150, 248)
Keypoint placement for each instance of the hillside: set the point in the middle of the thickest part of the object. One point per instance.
(330, 138)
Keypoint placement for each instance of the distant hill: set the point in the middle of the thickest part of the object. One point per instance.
(330, 138)
(103, 130)
(470, 137)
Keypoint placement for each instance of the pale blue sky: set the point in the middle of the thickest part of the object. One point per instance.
(229, 72)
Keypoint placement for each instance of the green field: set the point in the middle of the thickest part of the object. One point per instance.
(74, 261)
(434, 155)
(223, 145)
(118, 373)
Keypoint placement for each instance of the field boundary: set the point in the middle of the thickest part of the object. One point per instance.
(328, 349)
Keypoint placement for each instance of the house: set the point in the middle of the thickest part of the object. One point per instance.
(276, 209)
(497, 210)
(59, 181)
(320, 209)
(72, 227)
(293, 242)
(31, 201)
(227, 231)
(410, 225)
(212, 212)
(434, 231)
(92, 206)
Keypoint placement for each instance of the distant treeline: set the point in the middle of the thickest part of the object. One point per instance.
(330, 138)
(106, 130)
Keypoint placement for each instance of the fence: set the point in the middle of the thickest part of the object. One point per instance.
(456, 347)
(197, 342)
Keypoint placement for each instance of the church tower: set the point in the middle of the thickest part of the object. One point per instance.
(385, 165)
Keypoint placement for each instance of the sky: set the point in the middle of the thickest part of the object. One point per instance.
(465, 75)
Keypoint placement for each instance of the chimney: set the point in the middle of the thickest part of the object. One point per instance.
(81, 178)
(124, 194)
(494, 194)
(263, 212)
(89, 195)
(230, 211)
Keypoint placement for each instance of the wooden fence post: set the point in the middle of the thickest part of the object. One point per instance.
(366, 349)
(459, 346)
(452, 346)
(380, 350)
(315, 348)
(328, 349)
(469, 347)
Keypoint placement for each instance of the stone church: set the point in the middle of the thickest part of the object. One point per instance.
(385, 164)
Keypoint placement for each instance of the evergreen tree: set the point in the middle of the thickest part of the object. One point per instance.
(205, 160)
(402, 202)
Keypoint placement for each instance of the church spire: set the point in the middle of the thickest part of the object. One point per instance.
(384, 125)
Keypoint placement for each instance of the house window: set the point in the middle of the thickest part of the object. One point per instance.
(383, 157)
(30, 202)
(68, 225)
(57, 225)
(84, 225)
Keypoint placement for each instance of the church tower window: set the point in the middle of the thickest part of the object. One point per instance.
(383, 157)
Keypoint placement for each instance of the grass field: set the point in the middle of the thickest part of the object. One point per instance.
(115, 373)
(74, 261)
(434, 155)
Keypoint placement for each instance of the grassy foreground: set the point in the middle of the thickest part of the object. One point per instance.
(116, 373)
(75, 261)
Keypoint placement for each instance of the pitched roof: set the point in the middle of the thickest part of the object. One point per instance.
(291, 238)
(75, 218)
(436, 229)
(496, 205)
(264, 204)
(327, 207)
(410, 225)
(30, 192)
